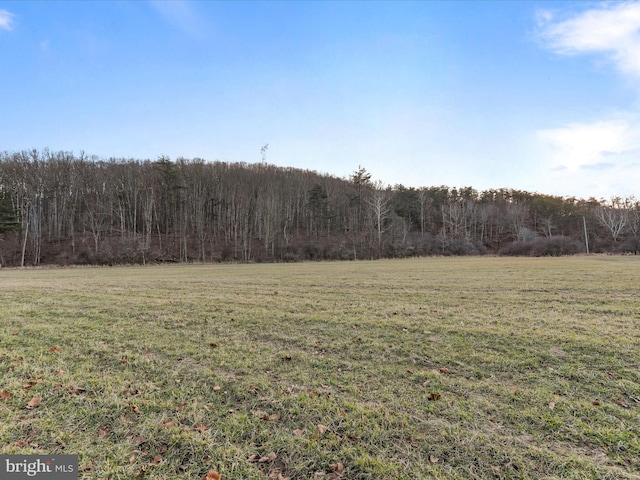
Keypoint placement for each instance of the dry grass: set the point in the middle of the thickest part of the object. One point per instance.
(431, 368)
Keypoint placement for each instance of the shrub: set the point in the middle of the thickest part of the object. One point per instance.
(555, 246)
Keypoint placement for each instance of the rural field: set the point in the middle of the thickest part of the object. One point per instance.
(443, 368)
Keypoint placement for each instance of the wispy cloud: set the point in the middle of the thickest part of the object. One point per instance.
(601, 156)
(581, 144)
(180, 14)
(612, 29)
(6, 20)
(594, 159)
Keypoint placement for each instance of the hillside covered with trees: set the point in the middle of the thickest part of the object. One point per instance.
(61, 208)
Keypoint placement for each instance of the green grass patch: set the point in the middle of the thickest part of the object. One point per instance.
(445, 368)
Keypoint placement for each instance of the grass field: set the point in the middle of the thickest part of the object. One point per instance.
(444, 368)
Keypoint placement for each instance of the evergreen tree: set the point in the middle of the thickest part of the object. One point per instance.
(8, 220)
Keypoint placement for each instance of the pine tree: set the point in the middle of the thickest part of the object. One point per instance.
(8, 220)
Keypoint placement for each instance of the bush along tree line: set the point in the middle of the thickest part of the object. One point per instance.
(61, 208)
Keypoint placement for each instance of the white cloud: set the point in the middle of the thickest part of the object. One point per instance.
(577, 145)
(594, 159)
(612, 29)
(6, 20)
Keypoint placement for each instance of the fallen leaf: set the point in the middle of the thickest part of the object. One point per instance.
(445, 370)
(298, 433)
(337, 467)
(254, 458)
(433, 396)
(75, 390)
(35, 401)
(201, 428)
(132, 459)
(54, 349)
(123, 361)
(322, 428)
(212, 475)
(269, 458)
(410, 371)
(156, 460)
(167, 424)
(552, 405)
(596, 403)
(514, 390)
(433, 459)
(4, 395)
(217, 388)
(15, 332)
(103, 432)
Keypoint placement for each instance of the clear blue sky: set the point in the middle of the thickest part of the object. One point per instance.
(541, 96)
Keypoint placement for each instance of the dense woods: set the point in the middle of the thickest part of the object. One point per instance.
(61, 208)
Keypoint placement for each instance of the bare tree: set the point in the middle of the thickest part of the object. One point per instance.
(613, 216)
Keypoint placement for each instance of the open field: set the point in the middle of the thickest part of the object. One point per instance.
(446, 368)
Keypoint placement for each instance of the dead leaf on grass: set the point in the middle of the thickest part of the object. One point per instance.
(5, 395)
(433, 459)
(433, 396)
(257, 458)
(137, 441)
(34, 402)
(298, 433)
(212, 475)
(217, 388)
(156, 460)
(103, 432)
(322, 428)
(552, 405)
(54, 349)
(269, 458)
(445, 370)
(201, 428)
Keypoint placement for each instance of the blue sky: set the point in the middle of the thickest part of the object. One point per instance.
(540, 96)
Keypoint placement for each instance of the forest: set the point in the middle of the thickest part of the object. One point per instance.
(65, 209)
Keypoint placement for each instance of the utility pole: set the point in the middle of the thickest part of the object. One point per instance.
(586, 236)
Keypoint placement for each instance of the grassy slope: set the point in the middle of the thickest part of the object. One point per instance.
(431, 368)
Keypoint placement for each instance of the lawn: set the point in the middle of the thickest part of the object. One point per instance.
(444, 368)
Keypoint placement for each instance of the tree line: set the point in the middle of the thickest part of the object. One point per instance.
(61, 208)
